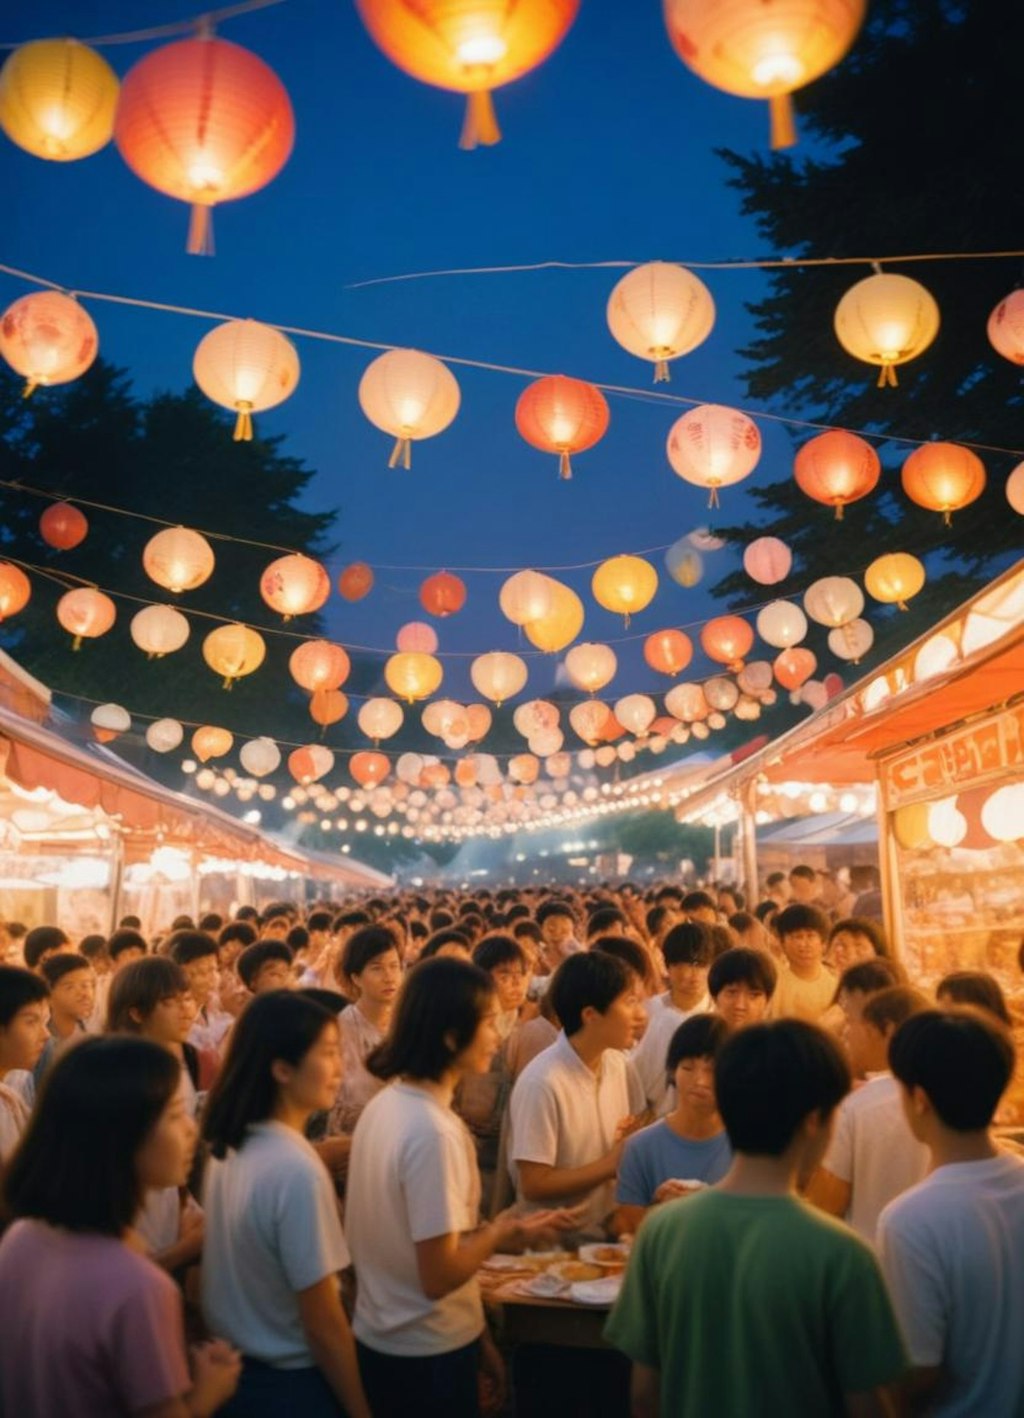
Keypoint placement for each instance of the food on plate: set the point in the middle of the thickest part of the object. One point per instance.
(574, 1271)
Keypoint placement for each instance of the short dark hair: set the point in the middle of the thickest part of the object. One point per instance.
(604, 918)
(75, 1165)
(238, 930)
(962, 1058)
(331, 1000)
(554, 908)
(770, 1077)
(93, 947)
(247, 913)
(633, 956)
(975, 987)
(699, 1037)
(496, 950)
(655, 918)
(186, 946)
(57, 966)
(130, 922)
(362, 947)
(801, 917)
(39, 941)
(774, 878)
(284, 1024)
(805, 873)
(349, 920)
(887, 1009)
(211, 921)
(19, 988)
(448, 935)
(861, 925)
(664, 892)
(689, 943)
(529, 930)
(695, 900)
(183, 923)
(319, 921)
(439, 1010)
(255, 956)
(297, 939)
(440, 920)
(590, 980)
(765, 909)
(867, 977)
(723, 938)
(141, 985)
(126, 939)
(743, 966)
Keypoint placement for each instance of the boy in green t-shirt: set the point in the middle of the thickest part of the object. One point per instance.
(743, 1300)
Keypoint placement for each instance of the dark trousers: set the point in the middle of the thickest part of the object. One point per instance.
(437, 1386)
(266, 1392)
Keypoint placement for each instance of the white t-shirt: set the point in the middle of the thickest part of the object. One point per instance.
(952, 1252)
(874, 1150)
(564, 1114)
(648, 1058)
(412, 1177)
(272, 1229)
(14, 1116)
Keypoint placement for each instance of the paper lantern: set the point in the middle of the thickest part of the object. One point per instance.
(1015, 489)
(478, 719)
(944, 477)
(409, 768)
(178, 559)
(380, 719)
(233, 651)
(63, 526)
(668, 651)
(910, 827)
(947, 826)
(211, 742)
(560, 628)
(721, 693)
(248, 367)
(85, 614)
(535, 716)
(727, 639)
(159, 630)
(713, 447)
(441, 716)
(1002, 814)
(295, 585)
(767, 561)
(781, 624)
(1005, 324)
(498, 676)
(590, 667)
(310, 763)
(417, 636)
(442, 595)
(469, 46)
(328, 706)
(813, 694)
(794, 667)
(754, 678)
(683, 564)
(319, 664)
(624, 585)
(561, 415)
(895, 578)
(369, 769)
(763, 50)
(851, 641)
(660, 311)
(833, 600)
(260, 756)
(108, 721)
(747, 709)
(523, 768)
(164, 735)
(687, 703)
(413, 676)
(886, 320)
(588, 719)
(409, 395)
(525, 597)
(48, 338)
(837, 468)
(465, 773)
(546, 743)
(205, 121)
(15, 590)
(635, 712)
(355, 582)
(57, 99)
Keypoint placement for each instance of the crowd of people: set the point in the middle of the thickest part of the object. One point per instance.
(255, 1166)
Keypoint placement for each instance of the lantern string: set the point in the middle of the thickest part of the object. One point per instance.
(187, 26)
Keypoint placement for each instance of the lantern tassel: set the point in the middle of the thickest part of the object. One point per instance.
(200, 231)
(228, 682)
(887, 375)
(783, 121)
(713, 499)
(661, 373)
(902, 605)
(564, 466)
(243, 423)
(31, 385)
(480, 125)
(401, 453)
(76, 644)
(947, 517)
(839, 511)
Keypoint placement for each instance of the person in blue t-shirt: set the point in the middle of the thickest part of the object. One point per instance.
(688, 1146)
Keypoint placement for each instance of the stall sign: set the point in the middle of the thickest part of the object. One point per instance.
(987, 748)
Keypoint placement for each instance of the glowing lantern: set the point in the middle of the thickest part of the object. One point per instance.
(260, 756)
(355, 582)
(409, 395)
(48, 338)
(248, 367)
(1005, 324)
(1002, 814)
(546, 743)
(109, 720)
(310, 763)
(561, 415)
(895, 578)
(205, 121)
(886, 320)
(721, 693)
(1015, 489)
(947, 826)
(328, 706)
(159, 630)
(417, 637)
(369, 769)
(781, 624)
(833, 600)
(712, 447)
(763, 51)
(442, 595)
(234, 651)
(624, 585)
(767, 561)
(57, 99)
(319, 664)
(590, 667)
(525, 597)
(747, 709)
(498, 676)
(413, 676)
(636, 713)
(469, 46)
(588, 719)
(62, 526)
(441, 716)
(687, 703)
(465, 773)
(727, 639)
(524, 768)
(164, 735)
(795, 667)
(683, 564)
(851, 641)
(910, 827)
(837, 468)
(15, 590)
(560, 628)
(210, 742)
(668, 651)
(660, 311)
(478, 721)
(944, 477)
(295, 585)
(86, 614)
(409, 768)
(178, 559)
(380, 719)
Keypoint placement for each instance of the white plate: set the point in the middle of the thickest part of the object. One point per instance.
(592, 1253)
(601, 1293)
(543, 1287)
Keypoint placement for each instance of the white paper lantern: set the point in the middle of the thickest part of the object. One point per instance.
(721, 693)
(834, 600)
(380, 718)
(1002, 814)
(164, 735)
(754, 678)
(409, 395)
(851, 641)
(687, 703)
(260, 756)
(109, 720)
(159, 630)
(659, 311)
(527, 596)
(590, 667)
(498, 676)
(636, 713)
(781, 624)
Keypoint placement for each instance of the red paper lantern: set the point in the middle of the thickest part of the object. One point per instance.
(563, 416)
(62, 526)
(369, 769)
(794, 667)
(837, 468)
(356, 581)
(443, 594)
(668, 651)
(205, 121)
(727, 639)
(15, 589)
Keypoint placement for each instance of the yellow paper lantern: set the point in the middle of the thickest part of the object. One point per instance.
(246, 366)
(886, 320)
(58, 99)
(895, 579)
(211, 742)
(624, 585)
(498, 676)
(178, 559)
(413, 675)
(48, 338)
(660, 311)
(234, 651)
(590, 667)
(910, 827)
(159, 630)
(409, 395)
(561, 625)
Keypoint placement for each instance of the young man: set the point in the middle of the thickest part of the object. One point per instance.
(43, 941)
(266, 965)
(276, 923)
(124, 946)
(557, 924)
(803, 886)
(741, 983)
(24, 1014)
(700, 906)
(687, 949)
(72, 985)
(951, 1247)
(810, 1328)
(570, 1107)
(873, 1156)
(807, 986)
(664, 1160)
(196, 953)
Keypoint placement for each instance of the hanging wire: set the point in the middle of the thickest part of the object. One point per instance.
(187, 26)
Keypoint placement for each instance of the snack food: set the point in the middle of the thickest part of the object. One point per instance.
(573, 1271)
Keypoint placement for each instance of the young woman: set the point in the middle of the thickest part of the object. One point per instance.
(274, 1245)
(370, 972)
(91, 1327)
(412, 1204)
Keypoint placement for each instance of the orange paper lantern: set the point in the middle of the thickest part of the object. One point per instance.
(668, 651)
(943, 477)
(369, 769)
(310, 763)
(355, 582)
(295, 585)
(319, 664)
(1006, 327)
(727, 639)
(837, 468)
(15, 589)
(328, 706)
(794, 667)
(442, 595)
(210, 742)
(62, 526)
(563, 416)
(86, 614)
(205, 121)
(48, 338)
